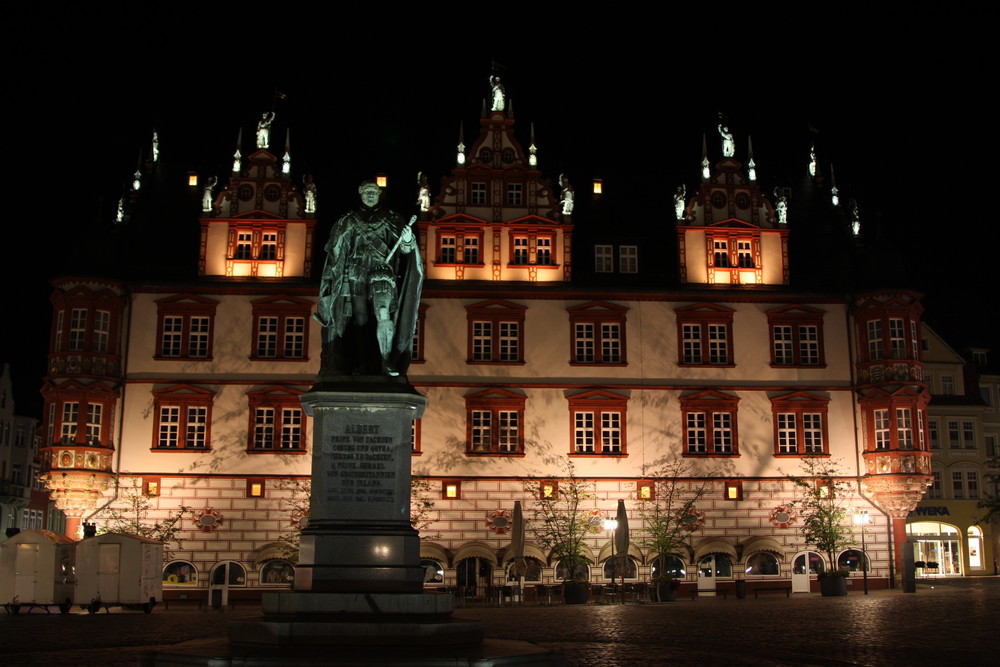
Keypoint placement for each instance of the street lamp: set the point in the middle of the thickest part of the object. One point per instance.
(611, 525)
(860, 519)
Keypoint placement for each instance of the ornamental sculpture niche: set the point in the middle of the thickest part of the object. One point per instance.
(499, 521)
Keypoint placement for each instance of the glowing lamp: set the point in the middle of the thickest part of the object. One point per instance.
(381, 180)
(610, 524)
(193, 180)
(598, 186)
(732, 492)
(451, 491)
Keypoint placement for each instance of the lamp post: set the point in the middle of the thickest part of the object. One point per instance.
(611, 525)
(860, 519)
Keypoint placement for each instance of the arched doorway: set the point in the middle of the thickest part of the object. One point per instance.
(224, 576)
(806, 566)
(712, 567)
(473, 576)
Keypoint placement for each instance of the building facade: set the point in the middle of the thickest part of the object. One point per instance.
(188, 391)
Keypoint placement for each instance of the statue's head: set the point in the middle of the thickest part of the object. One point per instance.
(370, 193)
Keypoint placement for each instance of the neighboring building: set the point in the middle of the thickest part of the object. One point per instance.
(963, 428)
(191, 388)
(23, 504)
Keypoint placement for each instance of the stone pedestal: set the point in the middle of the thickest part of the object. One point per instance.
(359, 580)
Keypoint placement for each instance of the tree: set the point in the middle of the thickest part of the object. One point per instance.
(821, 506)
(669, 513)
(561, 524)
(991, 503)
(128, 514)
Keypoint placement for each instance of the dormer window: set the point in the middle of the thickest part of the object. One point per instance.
(246, 192)
(272, 192)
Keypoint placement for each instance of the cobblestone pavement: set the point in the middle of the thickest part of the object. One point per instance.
(947, 622)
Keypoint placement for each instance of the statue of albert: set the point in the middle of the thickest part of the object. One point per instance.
(370, 292)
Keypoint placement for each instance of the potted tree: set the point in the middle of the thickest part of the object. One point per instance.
(824, 525)
(668, 512)
(562, 524)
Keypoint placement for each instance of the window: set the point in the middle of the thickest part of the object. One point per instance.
(706, 334)
(520, 255)
(597, 423)
(904, 428)
(269, 245)
(800, 425)
(932, 425)
(478, 192)
(604, 259)
(597, 333)
(709, 419)
(528, 247)
(745, 254)
(256, 244)
(496, 332)
(495, 423)
(281, 328)
(882, 429)
(628, 259)
(77, 328)
(796, 336)
(460, 248)
(244, 245)
(185, 327)
(417, 347)
(761, 564)
(102, 327)
(896, 421)
(934, 491)
(888, 330)
(874, 339)
(515, 194)
(415, 437)
(961, 434)
(182, 418)
(543, 251)
(276, 421)
(721, 249)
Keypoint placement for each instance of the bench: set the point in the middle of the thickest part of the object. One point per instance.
(197, 595)
(717, 591)
(787, 589)
(250, 595)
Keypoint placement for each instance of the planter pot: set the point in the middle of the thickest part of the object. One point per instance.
(575, 592)
(741, 589)
(833, 586)
(666, 593)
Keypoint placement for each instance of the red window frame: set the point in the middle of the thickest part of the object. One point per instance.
(800, 404)
(597, 314)
(499, 404)
(186, 307)
(283, 309)
(711, 403)
(796, 317)
(459, 234)
(494, 312)
(184, 397)
(601, 406)
(279, 399)
(700, 317)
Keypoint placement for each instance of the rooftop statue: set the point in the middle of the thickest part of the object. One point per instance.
(424, 196)
(206, 195)
(264, 129)
(679, 202)
(566, 197)
(781, 206)
(728, 143)
(310, 193)
(369, 292)
(499, 97)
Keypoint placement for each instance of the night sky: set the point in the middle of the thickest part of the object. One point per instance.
(902, 130)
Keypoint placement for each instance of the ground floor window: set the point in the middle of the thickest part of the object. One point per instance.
(433, 572)
(761, 564)
(582, 572)
(671, 565)
(853, 560)
(532, 571)
(277, 572)
(180, 572)
(937, 549)
(811, 563)
(715, 565)
(613, 569)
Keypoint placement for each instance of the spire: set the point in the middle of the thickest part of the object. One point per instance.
(812, 159)
(532, 149)
(236, 156)
(705, 173)
(751, 165)
(286, 162)
(855, 219)
(460, 158)
(834, 197)
(155, 147)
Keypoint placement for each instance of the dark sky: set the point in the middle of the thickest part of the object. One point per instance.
(903, 131)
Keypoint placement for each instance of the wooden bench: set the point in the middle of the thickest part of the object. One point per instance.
(717, 591)
(198, 596)
(249, 596)
(787, 589)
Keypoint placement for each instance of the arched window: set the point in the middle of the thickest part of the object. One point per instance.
(433, 572)
(671, 565)
(716, 565)
(277, 572)
(761, 564)
(853, 560)
(180, 573)
(582, 572)
(532, 573)
(612, 569)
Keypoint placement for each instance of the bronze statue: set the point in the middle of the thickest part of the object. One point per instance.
(369, 293)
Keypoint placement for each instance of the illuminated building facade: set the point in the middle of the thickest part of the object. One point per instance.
(534, 346)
